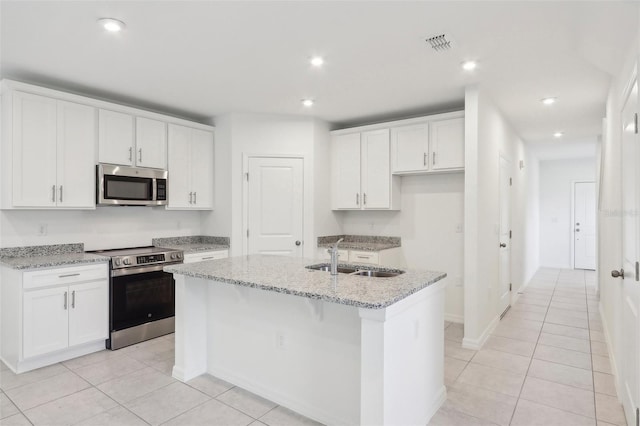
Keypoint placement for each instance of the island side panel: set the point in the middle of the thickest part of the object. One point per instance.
(403, 360)
(190, 327)
(301, 353)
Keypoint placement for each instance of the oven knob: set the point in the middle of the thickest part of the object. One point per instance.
(127, 261)
(117, 262)
(179, 255)
(173, 255)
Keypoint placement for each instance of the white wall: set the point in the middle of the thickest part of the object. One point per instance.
(103, 228)
(260, 134)
(431, 211)
(557, 179)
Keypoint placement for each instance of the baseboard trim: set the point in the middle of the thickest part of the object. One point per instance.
(476, 344)
(610, 351)
(459, 319)
(440, 398)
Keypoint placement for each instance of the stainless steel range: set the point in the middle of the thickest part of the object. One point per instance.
(142, 296)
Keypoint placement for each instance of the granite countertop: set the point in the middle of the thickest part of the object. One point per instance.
(288, 275)
(361, 242)
(36, 257)
(193, 244)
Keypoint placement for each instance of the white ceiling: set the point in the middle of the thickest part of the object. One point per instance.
(202, 59)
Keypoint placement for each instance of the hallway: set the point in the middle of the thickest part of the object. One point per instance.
(546, 363)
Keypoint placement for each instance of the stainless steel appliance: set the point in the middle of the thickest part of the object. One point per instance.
(141, 296)
(130, 186)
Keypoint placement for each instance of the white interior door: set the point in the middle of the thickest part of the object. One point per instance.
(584, 225)
(275, 206)
(630, 332)
(505, 234)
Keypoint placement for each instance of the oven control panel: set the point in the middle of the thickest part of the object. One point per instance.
(151, 258)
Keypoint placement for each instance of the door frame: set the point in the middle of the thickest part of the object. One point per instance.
(573, 220)
(503, 155)
(306, 211)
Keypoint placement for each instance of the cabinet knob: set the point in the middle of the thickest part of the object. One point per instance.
(298, 242)
(503, 245)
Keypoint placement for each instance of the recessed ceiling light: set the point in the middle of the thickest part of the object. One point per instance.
(307, 102)
(558, 134)
(317, 61)
(111, 25)
(469, 65)
(549, 101)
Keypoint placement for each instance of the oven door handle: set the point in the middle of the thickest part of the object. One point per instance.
(140, 269)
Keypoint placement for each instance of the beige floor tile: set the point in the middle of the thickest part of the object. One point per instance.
(118, 416)
(10, 380)
(511, 363)
(534, 300)
(579, 300)
(560, 373)
(515, 321)
(210, 385)
(596, 325)
(34, 394)
(281, 416)
(568, 314)
(93, 358)
(604, 383)
(569, 306)
(257, 423)
(452, 369)
(3, 366)
(513, 346)
(109, 369)
(524, 315)
(562, 319)
(16, 420)
(478, 402)
(165, 366)
(447, 324)
(522, 307)
(131, 386)
(602, 423)
(247, 402)
(608, 409)
(166, 403)
(563, 330)
(532, 414)
(7, 408)
(597, 336)
(71, 409)
(447, 416)
(580, 345)
(505, 330)
(599, 348)
(455, 350)
(568, 398)
(454, 332)
(211, 413)
(601, 364)
(491, 379)
(563, 356)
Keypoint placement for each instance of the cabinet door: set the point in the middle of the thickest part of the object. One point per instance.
(77, 137)
(115, 138)
(202, 169)
(34, 150)
(202, 256)
(151, 143)
(376, 174)
(179, 143)
(447, 144)
(345, 170)
(45, 321)
(88, 312)
(410, 148)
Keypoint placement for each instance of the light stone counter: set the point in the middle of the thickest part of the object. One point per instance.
(36, 257)
(361, 242)
(290, 276)
(193, 244)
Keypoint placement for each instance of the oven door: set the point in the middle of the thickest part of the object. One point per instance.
(147, 294)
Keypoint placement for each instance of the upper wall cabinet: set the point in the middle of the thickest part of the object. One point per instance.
(132, 141)
(434, 145)
(190, 168)
(52, 153)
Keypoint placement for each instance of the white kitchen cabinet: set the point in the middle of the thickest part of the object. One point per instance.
(205, 255)
(447, 144)
(190, 168)
(410, 148)
(53, 153)
(359, 256)
(51, 315)
(361, 176)
(132, 141)
(388, 257)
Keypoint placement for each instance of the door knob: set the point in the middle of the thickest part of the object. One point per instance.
(616, 274)
(578, 230)
(503, 245)
(298, 242)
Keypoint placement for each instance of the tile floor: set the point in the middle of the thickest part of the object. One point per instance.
(546, 363)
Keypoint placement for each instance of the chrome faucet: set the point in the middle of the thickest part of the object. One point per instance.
(333, 251)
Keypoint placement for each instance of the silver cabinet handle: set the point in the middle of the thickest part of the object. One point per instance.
(130, 153)
(357, 199)
(195, 198)
(208, 258)
(53, 193)
(60, 193)
(424, 161)
(364, 199)
(73, 299)
(140, 155)
(362, 257)
(68, 275)
(65, 300)
(433, 157)
(191, 198)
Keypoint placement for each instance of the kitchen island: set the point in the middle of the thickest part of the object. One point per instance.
(342, 349)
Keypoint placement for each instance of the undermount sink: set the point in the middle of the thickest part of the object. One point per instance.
(378, 274)
(327, 268)
(359, 272)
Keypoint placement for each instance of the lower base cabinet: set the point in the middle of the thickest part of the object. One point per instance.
(205, 255)
(55, 314)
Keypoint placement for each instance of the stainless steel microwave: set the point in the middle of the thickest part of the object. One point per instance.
(130, 186)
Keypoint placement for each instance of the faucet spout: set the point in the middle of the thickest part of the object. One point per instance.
(333, 251)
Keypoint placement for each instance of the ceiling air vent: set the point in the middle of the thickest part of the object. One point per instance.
(439, 42)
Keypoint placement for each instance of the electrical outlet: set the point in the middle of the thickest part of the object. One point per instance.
(42, 229)
(281, 342)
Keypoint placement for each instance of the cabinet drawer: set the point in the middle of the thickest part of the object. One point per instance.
(209, 255)
(64, 276)
(363, 257)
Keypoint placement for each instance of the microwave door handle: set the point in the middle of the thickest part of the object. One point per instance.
(154, 189)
